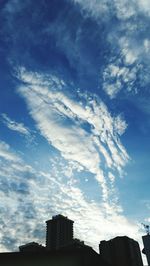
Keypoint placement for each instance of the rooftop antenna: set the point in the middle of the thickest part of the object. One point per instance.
(147, 228)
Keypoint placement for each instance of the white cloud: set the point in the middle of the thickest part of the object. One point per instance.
(13, 190)
(147, 220)
(128, 62)
(90, 218)
(123, 9)
(13, 125)
(117, 78)
(95, 8)
(147, 45)
(120, 125)
(88, 149)
(29, 197)
(5, 153)
(53, 109)
(129, 49)
(144, 5)
(112, 89)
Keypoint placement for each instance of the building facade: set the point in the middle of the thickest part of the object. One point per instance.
(122, 251)
(59, 232)
(146, 251)
(63, 250)
(66, 257)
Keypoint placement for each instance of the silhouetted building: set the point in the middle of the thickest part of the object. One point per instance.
(59, 232)
(64, 257)
(31, 247)
(146, 250)
(63, 250)
(121, 251)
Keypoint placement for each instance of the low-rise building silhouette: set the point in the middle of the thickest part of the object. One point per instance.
(146, 250)
(121, 251)
(63, 250)
(31, 247)
(84, 256)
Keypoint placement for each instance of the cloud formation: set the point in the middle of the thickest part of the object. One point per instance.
(15, 126)
(127, 66)
(4, 153)
(62, 121)
(30, 197)
(104, 50)
(118, 54)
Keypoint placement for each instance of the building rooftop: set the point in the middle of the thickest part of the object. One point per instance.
(119, 238)
(59, 217)
(31, 247)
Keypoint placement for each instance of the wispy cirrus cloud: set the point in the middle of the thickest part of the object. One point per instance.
(62, 121)
(89, 216)
(124, 62)
(15, 126)
(117, 7)
(127, 66)
(6, 154)
(30, 197)
(106, 39)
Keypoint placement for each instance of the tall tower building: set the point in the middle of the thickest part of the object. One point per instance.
(121, 250)
(59, 232)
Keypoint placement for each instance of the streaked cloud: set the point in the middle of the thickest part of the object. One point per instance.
(15, 126)
(127, 66)
(30, 197)
(103, 51)
(6, 154)
(62, 120)
(123, 9)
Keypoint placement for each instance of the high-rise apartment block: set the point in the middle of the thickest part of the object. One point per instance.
(59, 232)
(121, 250)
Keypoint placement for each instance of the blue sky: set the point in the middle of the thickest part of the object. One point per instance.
(74, 118)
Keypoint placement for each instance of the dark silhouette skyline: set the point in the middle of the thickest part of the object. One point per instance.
(121, 250)
(63, 249)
